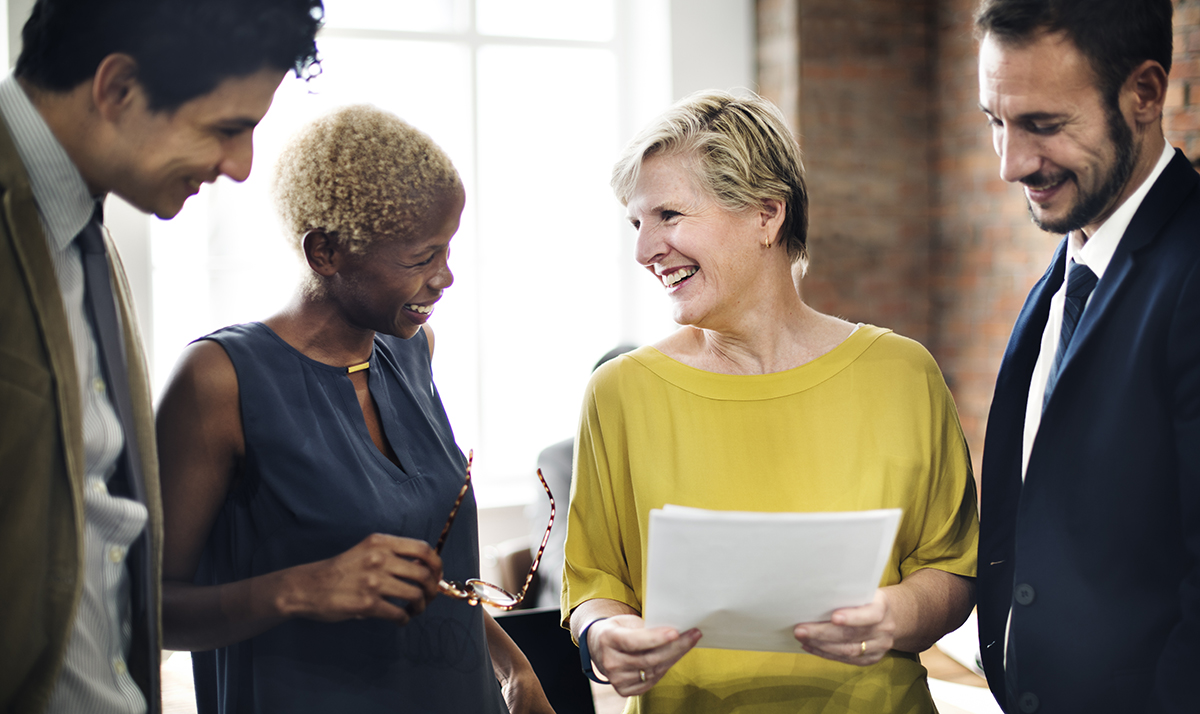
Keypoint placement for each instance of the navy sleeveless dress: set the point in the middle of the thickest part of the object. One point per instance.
(313, 485)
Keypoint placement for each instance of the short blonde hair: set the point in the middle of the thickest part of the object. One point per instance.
(742, 152)
(360, 174)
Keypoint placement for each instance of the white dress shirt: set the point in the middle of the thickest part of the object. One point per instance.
(1095, 254)
(94, 677)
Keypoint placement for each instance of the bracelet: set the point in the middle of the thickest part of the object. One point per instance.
(585, 659)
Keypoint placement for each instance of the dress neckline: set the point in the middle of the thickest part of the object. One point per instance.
(749, 387)
(344, 371)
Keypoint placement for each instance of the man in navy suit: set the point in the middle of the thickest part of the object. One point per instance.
(1089, 580)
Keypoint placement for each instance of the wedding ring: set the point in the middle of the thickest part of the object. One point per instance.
(642, 674)
(862, 649)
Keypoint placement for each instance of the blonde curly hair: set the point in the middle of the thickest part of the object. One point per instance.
(360, 174)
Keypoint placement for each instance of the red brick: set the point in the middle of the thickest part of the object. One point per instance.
(1187, 121)
(912, 226)
(1186, 67)
(1176, 95)
(1186, 13)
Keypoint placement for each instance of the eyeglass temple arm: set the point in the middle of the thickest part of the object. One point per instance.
(537, 558)
(457, 502)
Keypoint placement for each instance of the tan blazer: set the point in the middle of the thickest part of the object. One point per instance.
(41, 456)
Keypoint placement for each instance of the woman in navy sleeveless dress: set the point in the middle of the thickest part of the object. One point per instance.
(302, 490)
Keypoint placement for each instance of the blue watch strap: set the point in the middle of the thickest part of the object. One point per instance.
(585, 658)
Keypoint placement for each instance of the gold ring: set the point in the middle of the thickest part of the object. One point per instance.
(862, 648)
(642, 674)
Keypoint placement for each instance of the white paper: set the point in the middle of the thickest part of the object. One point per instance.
(747, 579)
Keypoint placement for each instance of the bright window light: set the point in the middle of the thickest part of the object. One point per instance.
(555, 19)
(543, 259)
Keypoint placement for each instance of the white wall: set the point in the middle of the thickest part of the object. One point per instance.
(18, 12)
(712, 45)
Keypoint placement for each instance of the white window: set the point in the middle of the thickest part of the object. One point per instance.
(533, 100)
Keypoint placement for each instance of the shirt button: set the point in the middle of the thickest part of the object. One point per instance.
(1028, 702)
(98, 385)
(116, 553)
(1024, 594)
(119, 666)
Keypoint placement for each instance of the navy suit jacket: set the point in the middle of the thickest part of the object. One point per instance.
(1098, 552)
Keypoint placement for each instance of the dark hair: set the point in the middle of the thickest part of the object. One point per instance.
(183, 48)
(1115, 35)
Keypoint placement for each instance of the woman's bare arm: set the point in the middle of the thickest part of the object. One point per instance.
(910, 616)
(522, 690)
(200, 444)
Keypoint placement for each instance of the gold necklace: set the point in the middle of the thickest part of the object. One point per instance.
(358, 367)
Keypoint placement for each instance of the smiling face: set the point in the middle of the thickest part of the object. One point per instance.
(707, 258)
(161, 158)
(1054, 133)
(393, 285)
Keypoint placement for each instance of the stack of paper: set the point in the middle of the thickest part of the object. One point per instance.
(747, 579)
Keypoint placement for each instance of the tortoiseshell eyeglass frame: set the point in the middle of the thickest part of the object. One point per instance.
(475, 591)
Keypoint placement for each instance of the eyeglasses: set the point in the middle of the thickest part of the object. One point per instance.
(475, 591)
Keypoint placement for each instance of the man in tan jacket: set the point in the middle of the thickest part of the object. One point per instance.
(148, 99)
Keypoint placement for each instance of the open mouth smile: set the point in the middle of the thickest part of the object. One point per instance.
(1040, 192)
(676, 277)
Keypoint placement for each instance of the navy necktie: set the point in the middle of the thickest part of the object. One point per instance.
(1080, 283)
(127, 481)
(102, 312)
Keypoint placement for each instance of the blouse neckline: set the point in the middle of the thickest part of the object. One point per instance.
(309, 360)
(751, 387)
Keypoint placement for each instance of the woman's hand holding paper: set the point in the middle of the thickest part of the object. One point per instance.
(909, 617)
(855, 635)
(632, 657)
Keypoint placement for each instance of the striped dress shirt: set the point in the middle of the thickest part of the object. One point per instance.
(94, 676)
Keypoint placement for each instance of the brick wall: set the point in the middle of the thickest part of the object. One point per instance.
(1182, 115)
(986, 252)
(863, 119)
(912, 227)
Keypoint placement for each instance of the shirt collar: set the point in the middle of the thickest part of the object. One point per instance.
(61, 194)
(1098, 250)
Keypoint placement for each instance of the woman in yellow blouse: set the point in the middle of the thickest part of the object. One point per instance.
(759, 403)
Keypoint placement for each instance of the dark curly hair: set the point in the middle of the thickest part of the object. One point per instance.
(183, 48)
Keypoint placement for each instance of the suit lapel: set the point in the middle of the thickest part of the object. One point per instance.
(1176, 182)
(1020, 357)
(1006, 419)
(1002, 463)
(19, 213)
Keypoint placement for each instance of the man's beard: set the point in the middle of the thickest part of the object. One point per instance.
(1091, 205)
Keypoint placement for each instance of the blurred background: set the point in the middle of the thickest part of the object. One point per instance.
(532, 99)
(911, 227)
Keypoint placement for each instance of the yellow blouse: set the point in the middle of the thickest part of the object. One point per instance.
(869, 425)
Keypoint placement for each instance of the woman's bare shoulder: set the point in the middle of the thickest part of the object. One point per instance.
(201, 395)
